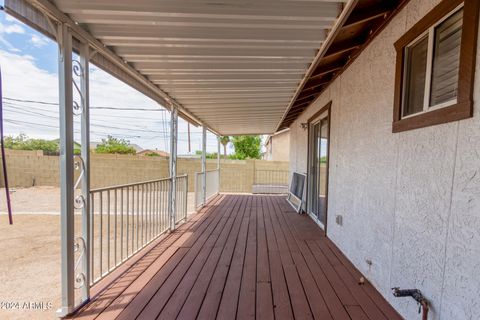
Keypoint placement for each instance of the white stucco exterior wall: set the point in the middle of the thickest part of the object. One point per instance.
(410, 201)
(279, 146)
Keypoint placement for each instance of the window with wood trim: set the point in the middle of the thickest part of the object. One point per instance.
(435, 67)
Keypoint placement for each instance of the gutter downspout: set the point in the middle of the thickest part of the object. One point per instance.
(347, 10)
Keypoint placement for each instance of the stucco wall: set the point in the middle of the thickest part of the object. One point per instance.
(280, 145)
(410, 201)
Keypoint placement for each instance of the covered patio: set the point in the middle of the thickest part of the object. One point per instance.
(244, 257)
(234, 69)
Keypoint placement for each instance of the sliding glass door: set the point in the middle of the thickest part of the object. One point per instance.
(318, 175)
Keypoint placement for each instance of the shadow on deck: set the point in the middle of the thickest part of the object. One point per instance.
(242, 256)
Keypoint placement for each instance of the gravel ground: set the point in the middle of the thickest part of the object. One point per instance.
(30, 254)
(35, 200)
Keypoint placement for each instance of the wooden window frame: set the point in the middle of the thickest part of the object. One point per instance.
(463, 108)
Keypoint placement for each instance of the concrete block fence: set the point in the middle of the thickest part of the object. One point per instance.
(32, 168)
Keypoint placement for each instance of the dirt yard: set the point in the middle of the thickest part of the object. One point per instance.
(30, 254)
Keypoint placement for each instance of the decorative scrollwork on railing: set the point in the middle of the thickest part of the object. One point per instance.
(79, 202)
(78, 71)
(77, 68)
(79, 248)
(79, 165)
(77, 108)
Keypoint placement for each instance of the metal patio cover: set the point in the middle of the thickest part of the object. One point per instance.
(233, 65)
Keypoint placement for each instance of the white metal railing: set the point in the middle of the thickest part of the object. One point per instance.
(212, 186)
(182, 197)
(271, 177)
(270, 181)
(126, 218)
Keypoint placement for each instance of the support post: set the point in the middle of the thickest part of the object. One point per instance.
(218, 153)
(66, 170)
(172, 204)
(85, 157)
(204, 165)
(218, 162)
(74, 102)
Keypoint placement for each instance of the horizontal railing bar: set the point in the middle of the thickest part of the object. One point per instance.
(132, 184)
(214, 170)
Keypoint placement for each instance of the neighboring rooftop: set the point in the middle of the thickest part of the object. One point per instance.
(148, 152)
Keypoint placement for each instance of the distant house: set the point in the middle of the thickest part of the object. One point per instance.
(277, 146)
(149, 152)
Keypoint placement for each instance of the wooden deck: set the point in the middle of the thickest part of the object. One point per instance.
(245, 257)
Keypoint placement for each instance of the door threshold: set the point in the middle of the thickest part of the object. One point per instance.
(317, 221)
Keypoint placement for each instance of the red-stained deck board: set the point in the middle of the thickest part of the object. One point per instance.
(247, 297)
(264, 299)
(240, 257)
(281, 299)
(229, 302)
(220, 253)
(163, 293)
(298, 299)
(177, 300)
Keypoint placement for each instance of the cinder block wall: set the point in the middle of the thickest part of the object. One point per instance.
(29, 168)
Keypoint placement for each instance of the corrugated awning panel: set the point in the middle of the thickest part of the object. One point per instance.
(235, 65)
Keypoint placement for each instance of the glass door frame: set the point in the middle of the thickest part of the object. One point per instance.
(323, 113)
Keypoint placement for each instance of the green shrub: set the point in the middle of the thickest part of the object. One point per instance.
(115, 145)
(22, 142)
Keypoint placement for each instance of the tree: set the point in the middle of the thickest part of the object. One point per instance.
(115, 145)
(23, 142)
(224, 140)
(247, 147)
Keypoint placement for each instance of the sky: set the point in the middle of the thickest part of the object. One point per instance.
(28, 62)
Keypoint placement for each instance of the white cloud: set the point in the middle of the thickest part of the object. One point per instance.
(38, 41)
(10, 18)
(24, 79)
(6, 29)
(11, 28)
(7, 44)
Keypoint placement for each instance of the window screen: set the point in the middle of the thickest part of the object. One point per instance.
(446, 59)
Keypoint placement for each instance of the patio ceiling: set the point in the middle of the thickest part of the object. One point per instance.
(231, 65)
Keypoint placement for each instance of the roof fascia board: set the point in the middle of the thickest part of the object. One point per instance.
(347, 10)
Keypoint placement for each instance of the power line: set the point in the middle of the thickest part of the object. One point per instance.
(22, 123)
(137, 128)
(91, 107)
(97, 126)
(13, 106)
(28, 108)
